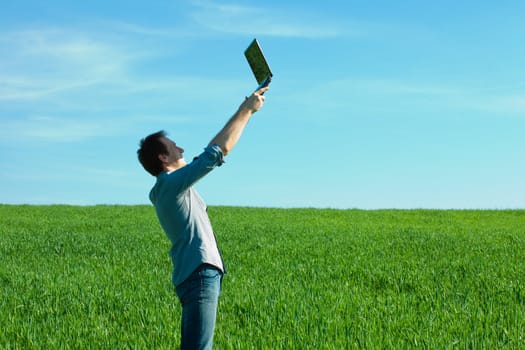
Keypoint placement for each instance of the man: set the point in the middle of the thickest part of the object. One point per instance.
(197, 263)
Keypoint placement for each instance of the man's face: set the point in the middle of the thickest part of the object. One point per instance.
(175, 153)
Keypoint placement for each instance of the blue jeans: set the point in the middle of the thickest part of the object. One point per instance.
(199, 297)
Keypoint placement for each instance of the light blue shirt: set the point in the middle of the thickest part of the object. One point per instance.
(182, 214)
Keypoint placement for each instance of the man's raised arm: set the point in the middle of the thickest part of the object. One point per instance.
(231, 132)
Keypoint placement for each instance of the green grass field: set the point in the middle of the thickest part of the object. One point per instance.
(99, 278)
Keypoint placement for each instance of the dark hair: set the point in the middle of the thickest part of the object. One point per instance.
(150, 148)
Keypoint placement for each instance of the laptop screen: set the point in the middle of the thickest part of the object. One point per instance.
(258, 63)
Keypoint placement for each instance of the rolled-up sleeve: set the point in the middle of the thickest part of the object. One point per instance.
(214, 154)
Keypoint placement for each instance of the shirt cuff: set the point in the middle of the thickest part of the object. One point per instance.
(216, 152)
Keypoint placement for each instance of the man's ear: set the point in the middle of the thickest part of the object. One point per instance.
(163, 158)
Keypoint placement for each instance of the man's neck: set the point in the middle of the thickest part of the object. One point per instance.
(174, 166)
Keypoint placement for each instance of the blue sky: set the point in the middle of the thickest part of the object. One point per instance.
(376, 104)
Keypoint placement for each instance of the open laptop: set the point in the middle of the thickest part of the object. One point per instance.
(258, 64)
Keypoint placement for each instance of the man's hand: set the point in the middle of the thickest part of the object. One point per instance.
(255, 101)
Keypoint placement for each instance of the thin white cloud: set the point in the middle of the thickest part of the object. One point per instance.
(52, 64)
(399, 87)
(49, 129)
(244, 20)
(389, 95)
(150, 32)
(52, 129)
(513, 104)
(21, 87)
(39, 63)
(133, 28)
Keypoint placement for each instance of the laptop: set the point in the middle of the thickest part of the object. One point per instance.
(258, 64)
